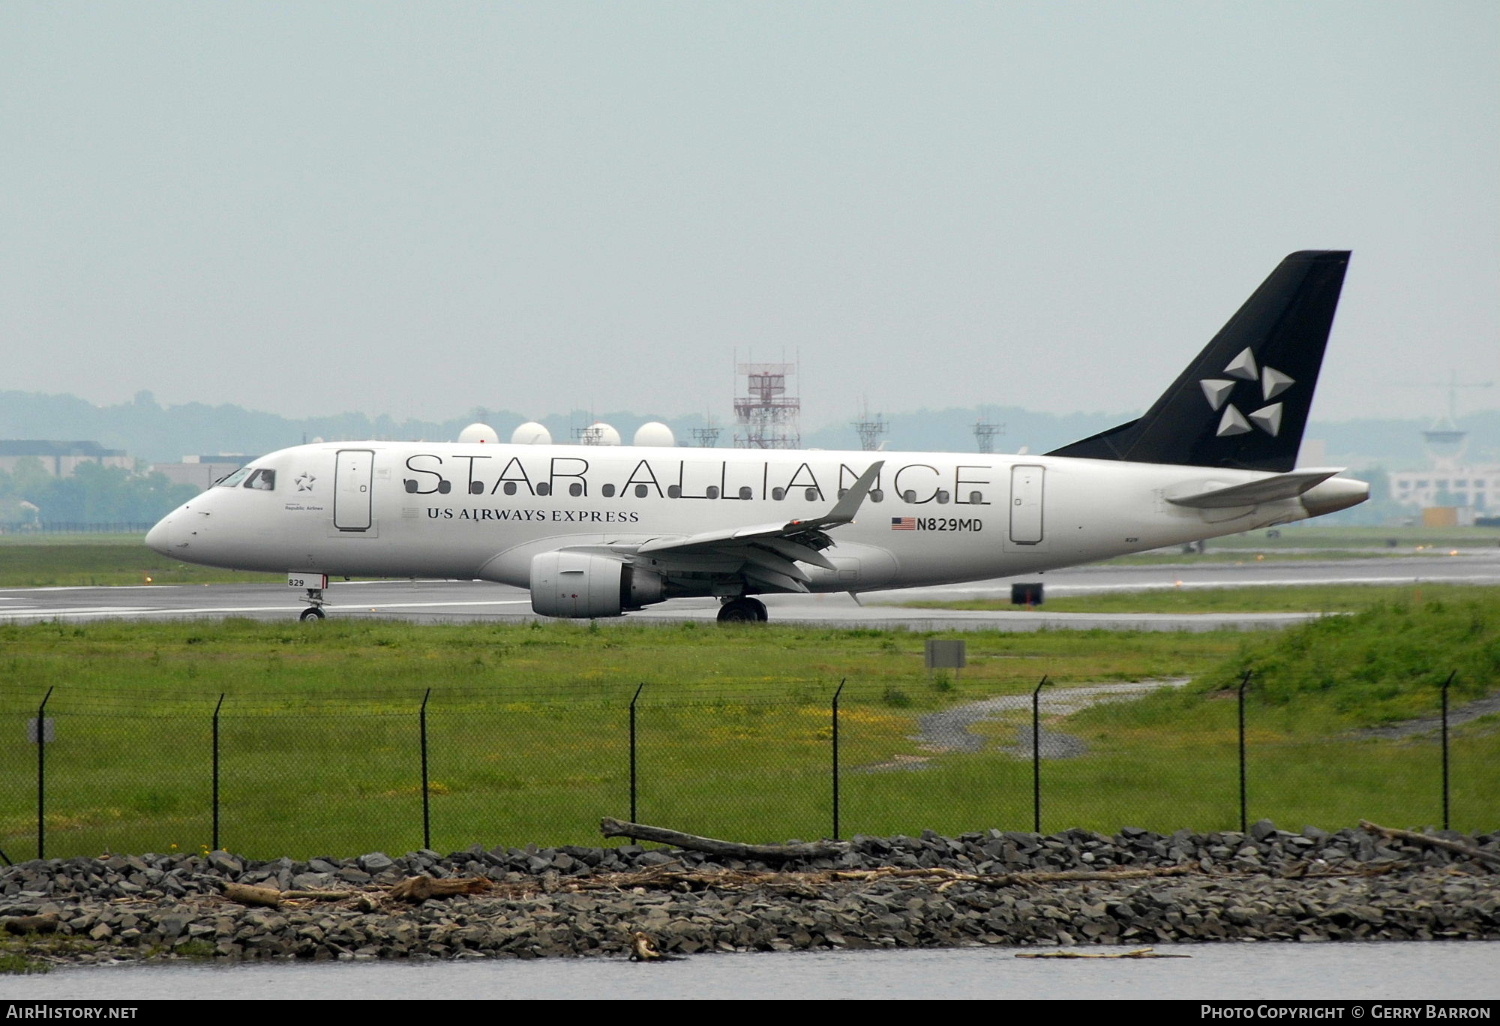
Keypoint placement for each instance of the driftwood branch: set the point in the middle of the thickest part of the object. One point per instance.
(247, 894)
(729, 849)
(953, 876)
(1137, 953)
(1430, 841)
(420, 888)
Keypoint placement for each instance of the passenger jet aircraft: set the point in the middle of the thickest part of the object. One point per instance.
(601, 531)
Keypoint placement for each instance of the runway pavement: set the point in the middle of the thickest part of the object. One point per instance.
(458, 601)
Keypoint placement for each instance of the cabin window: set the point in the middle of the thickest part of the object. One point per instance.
(812, 495)
(976, 499)
(575, 489)
(609, 491)
(262, 481)
(942, 497)
(476, 487)
(909, 496)
(544, 489)
(843, 492)
(712, 491)
(778, 494)
(877, 495)
(674, 491)
(745, 492)
(640, 491)
(510, 488)
(234, 479)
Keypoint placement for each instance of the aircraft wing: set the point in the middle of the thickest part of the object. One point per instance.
(767, 554)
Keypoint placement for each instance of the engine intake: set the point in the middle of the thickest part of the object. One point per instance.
(585, 585)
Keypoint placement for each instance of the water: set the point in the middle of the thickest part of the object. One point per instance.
(1375, 971)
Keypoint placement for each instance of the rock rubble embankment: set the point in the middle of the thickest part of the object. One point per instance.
(928, 891)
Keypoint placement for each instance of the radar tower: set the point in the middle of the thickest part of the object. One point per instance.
(768, 416)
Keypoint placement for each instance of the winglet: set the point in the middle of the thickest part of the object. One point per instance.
(844, 510)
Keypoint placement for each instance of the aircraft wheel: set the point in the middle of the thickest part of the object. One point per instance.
(742, 610)
(312, 613)
(760, 609)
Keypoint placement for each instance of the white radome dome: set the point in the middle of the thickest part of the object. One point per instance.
(531, 433)
(654, 432)
(480, 433)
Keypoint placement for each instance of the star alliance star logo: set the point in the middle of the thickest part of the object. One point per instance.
(1272, 384)
(304, 482)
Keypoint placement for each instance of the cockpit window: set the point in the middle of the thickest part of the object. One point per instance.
(234, 479)
(262, 480)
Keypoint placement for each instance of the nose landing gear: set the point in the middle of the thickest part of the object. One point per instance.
(314, 611)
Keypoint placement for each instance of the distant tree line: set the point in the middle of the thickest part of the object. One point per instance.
(94, 494)
(150, 431)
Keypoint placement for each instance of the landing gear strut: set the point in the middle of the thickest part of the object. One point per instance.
(314, 611)
(743, 610)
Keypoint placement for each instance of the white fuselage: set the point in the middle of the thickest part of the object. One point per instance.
(459, 510)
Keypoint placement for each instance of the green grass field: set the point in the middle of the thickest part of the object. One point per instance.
(1314, 535)
(1314, 598)
(49, 561)
(528, 730)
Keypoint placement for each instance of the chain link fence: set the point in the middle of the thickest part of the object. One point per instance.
(88, 770)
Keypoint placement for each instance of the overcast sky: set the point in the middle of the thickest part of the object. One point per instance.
(417, 209)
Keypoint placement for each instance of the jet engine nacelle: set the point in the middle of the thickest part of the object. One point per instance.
(582, 584)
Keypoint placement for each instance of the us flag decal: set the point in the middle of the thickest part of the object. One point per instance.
(903, 523)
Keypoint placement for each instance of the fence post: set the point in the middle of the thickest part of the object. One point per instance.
(1036, 756)
(41, 776)
(1244, 681)
(1445, 747)
(633, 700)
(836, 758)
(426, 797)
(216, 770)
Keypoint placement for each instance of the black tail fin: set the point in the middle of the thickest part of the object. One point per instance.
(1243, 402)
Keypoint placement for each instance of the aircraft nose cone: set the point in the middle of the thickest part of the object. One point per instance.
(159, 538)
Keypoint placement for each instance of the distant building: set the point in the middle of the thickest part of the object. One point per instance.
(1449, 481)
(201, 471)
(60, 459)
(1477, 488)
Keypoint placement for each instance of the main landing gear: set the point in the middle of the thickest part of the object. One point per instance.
(743, 610)
(314, 611)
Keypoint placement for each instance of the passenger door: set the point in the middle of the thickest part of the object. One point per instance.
(352, 480)
(1026, 487)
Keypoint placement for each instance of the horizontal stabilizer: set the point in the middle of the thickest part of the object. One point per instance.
(1217, 495)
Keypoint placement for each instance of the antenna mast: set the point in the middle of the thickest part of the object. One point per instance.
(707, 436)
(985, 432)
(870, 431)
